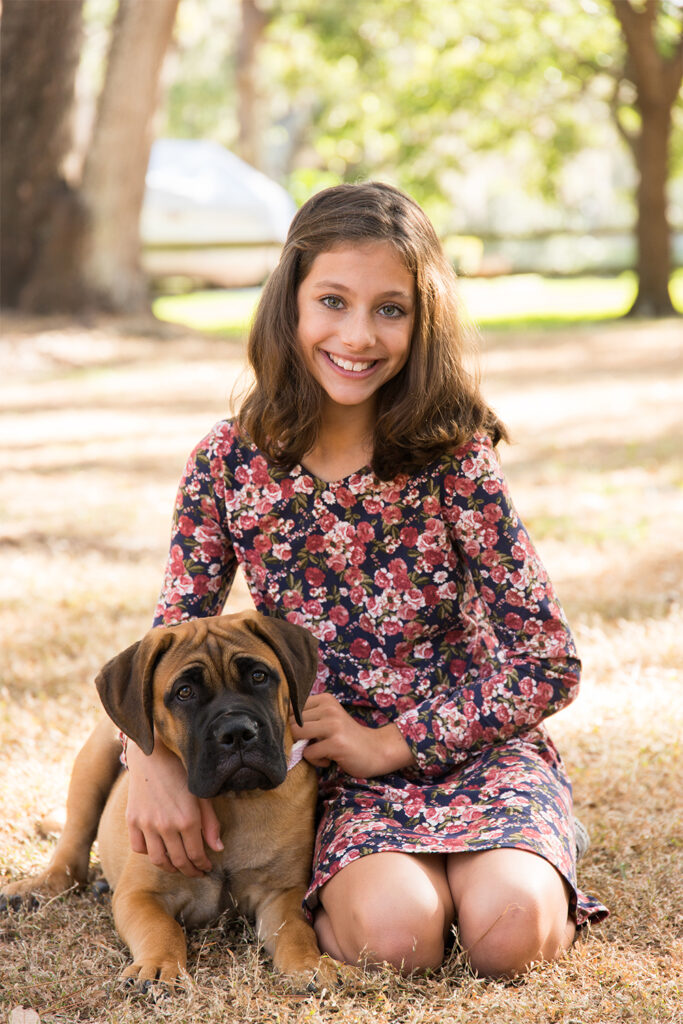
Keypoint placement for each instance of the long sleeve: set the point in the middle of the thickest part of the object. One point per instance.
(201, 563)
(520, 663)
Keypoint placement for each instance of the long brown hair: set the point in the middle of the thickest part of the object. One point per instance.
(432, 405)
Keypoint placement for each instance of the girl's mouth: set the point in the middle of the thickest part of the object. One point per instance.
(354, 366)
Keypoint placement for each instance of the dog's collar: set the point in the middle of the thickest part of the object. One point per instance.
(296, 753)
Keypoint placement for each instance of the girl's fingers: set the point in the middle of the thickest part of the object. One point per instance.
(137, 839)
(211, 827)
(156, 851)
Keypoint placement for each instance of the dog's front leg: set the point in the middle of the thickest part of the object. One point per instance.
(291, 942)
(155, 939)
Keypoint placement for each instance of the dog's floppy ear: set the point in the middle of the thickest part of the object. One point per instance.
(297, 652)
(125, 687)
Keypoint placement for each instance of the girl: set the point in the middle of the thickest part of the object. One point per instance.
(360, 492)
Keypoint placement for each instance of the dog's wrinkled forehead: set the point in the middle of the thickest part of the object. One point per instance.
(220, 650)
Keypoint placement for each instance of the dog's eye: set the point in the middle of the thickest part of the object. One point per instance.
(184, 692)
(258, 676)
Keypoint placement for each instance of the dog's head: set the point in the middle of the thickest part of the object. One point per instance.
(218, 692)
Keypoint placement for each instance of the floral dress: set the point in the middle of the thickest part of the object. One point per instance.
(432, 611)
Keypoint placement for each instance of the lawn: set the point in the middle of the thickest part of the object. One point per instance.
(96, 423)
(504, 302)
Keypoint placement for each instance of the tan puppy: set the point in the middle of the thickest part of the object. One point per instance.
(218, 692)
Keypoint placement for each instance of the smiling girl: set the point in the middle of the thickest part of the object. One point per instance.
(360, 492)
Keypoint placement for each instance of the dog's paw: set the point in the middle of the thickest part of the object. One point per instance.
(144, 975)
(26, 891)
(311, 975)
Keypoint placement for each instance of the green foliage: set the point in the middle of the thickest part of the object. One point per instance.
(416, 92)
(409, 90)
(201, 94)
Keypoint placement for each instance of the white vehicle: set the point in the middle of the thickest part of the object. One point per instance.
(210, 216)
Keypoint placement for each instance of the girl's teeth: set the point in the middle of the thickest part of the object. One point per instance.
(346, 364)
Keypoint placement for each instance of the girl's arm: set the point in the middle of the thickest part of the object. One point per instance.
(521, 664)
(164, 819)
(201, 563)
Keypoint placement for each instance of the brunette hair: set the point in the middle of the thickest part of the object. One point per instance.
(432, 405)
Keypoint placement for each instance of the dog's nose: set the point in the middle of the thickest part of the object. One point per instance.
(235, 731)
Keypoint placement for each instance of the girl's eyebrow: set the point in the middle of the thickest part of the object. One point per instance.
(389, 294)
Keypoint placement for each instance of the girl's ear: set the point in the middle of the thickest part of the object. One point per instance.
(297, 651)
(125, 686)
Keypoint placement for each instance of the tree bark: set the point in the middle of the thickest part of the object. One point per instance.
(653, 232)
(102, 230)
(39, 51)
(657, 80)
(254, 22)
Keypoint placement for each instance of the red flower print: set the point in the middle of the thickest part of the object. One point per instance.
(360, 648)
(526, 686)
(409, 536)
(553, 626)
(345, 497)
(492, 512)
(201, 585)
(365, 532)
(464, 487)
(391, 514)
(339, 615)
(176, 562)
(315, 543)
(372, 506)
(259, 471)
(186, 526)
(513, 621)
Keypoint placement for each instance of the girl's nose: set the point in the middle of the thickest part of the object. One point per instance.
(358, 333)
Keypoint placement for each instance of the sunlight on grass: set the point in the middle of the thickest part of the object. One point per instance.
(529, 298)
(522, 299)
(219, 311)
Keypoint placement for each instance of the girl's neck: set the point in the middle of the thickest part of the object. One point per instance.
(343, 445)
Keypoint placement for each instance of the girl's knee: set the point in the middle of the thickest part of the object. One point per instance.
(507, 932)
(409, 937)
(404, 926)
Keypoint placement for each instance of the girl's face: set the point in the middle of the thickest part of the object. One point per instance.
(356, 313)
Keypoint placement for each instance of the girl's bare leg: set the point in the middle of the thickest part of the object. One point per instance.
(387, 907)
(512, 910)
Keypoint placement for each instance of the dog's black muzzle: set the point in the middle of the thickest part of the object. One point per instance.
(242, 749)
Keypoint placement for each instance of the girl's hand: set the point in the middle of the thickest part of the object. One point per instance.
(334, 735)
(165, 820)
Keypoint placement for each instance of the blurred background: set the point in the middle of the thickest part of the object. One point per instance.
(152, 149)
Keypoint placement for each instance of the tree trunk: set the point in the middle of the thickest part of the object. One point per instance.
(103, 231)
(657, 80)
(254, 22)
(653, 232)
(39, 52)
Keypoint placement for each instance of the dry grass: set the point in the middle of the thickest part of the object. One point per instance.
(96, 424)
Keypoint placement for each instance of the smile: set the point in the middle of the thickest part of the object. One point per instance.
(349, 365)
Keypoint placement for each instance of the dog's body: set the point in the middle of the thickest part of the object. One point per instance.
(218, 693)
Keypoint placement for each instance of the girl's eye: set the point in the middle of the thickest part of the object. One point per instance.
(258, 676)
(184, 693)
(391, 311)
(332, 302)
